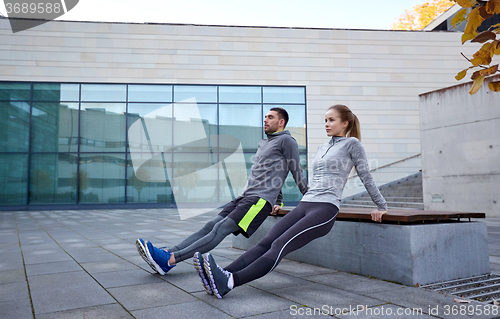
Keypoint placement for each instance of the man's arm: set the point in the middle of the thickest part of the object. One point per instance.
(291, 153)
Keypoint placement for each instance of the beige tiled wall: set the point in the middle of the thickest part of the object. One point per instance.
(379, 74)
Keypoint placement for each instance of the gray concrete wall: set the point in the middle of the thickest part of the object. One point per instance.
(379, 74)
(460, 138)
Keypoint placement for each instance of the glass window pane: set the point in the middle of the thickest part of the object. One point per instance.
(194, 177)
(53, 179)
(150, 93)
(102, 178)
(296, 122)
(238, 177)
(280, 94)
(149, 183)
(14, 126)
(15, 91)
(240, 94)
(56, 92)
(195, 127)
(242, 121)
(290, 189)
(13, 179)
(104, 92)
(55, 127)
(201, 93)
(102, 127)
(149, 127)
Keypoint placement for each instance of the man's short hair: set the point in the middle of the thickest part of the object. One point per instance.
(282, 114)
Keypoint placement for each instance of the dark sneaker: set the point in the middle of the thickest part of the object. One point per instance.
(217, 276)
(200, 269)
(156, 258)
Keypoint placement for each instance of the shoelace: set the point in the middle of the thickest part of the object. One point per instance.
(225, 272)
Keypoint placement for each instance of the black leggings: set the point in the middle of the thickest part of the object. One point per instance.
(302, 225)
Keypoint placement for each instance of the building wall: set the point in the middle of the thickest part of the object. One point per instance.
(461, 149)
(379, 74)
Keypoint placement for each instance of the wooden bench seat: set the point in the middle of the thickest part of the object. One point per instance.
(399, 216)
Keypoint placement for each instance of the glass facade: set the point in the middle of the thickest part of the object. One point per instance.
(111, 144)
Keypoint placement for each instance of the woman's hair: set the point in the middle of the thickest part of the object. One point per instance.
(353, 129)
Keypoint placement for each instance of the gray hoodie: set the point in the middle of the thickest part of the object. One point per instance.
(331, 168)
(275, 156)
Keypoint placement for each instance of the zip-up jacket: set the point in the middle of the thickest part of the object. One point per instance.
(331, 168)
(275, 156)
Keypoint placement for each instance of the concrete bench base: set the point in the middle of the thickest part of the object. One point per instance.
(407, 254)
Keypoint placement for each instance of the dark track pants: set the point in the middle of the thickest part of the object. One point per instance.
(308, 221)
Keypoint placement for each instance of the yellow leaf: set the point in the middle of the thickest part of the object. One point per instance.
(458, 18)
(466, 37)
(495, 26)
(493, 7)
(489, 71)
(466, 3)
(494, 86)
(482, 57)
(478, 82)
(474, 21)
(496, 47)
(475, 75)
(461, 74)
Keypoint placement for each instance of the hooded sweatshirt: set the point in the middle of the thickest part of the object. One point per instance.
(275, 156)
(331, 168)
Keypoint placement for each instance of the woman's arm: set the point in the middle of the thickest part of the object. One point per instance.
(358, 157)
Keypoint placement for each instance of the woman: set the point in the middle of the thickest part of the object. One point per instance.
(313, 217)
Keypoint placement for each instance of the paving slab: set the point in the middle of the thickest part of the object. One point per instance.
(246, 301)
(111, 311)
(150, 295)
(190, 310)
(16, 309)
(126, 278)
(316, 296)
(104, 277)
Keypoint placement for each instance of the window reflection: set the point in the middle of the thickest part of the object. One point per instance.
(77, 137)
(55, 127)
(102, 178)
(56, 92)
(104, 92)
(14, 126)
(202, 93)
(281, 94)
(102, 127)
(13, 179)
(244, 122)
(150, 93)
(53, 179)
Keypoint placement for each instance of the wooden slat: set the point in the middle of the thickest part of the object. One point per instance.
(399, 215)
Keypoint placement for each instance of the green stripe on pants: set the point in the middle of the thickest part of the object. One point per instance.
(250, 215)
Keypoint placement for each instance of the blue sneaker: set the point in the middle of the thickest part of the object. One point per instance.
(156, 258)
(218, 276)
(200, 269)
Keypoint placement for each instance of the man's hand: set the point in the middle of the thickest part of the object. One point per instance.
(275, 210)
(377, 215)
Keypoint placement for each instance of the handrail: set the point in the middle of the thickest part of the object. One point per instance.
(387, 165)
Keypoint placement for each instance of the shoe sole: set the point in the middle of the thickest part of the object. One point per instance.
(144, 252)
(208, 270)
(201, 272)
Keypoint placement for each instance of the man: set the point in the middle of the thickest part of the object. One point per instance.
(275, 156)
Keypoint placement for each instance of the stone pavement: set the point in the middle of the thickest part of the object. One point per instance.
(84, 264)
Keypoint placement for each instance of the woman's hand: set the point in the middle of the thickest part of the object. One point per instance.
(377, 215)
(275, 210)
